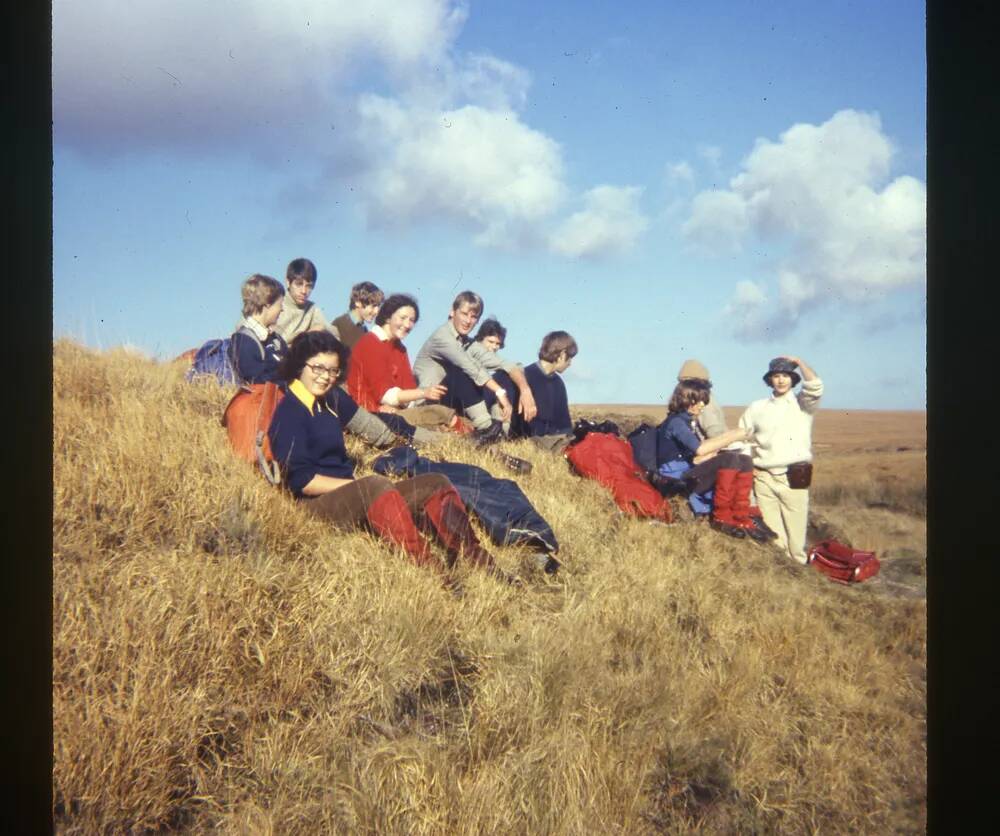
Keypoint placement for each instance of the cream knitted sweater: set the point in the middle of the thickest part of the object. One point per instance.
(781, 427)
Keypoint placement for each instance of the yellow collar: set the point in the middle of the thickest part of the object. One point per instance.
(297, 388)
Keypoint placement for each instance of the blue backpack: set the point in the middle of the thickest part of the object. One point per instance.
(213, 360)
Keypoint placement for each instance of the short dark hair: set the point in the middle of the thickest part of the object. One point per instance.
(301, 268)
(685, 396)
(468, 297)
(394, 303)
(366, 293)
(491, 327)
(307, 345)
(555, 343)
(258, 292)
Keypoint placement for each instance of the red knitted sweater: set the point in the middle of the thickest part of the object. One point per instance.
(376, 367)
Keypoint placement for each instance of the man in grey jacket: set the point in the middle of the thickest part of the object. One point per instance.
(450, 357)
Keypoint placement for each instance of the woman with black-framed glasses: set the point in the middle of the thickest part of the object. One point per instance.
(307, 440)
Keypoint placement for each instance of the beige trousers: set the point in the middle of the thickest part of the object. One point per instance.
(785, 510)
(429, 416)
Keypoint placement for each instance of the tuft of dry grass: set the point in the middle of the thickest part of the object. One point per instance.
(222, 660)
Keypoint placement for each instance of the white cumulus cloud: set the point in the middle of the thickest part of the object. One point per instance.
(822, 196)
(478, 165)
(292, 79)
(611, 221)
(718, 221)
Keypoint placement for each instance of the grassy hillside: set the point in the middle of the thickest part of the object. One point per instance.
(222, 660)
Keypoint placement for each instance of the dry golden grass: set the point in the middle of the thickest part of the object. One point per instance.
(223, 661)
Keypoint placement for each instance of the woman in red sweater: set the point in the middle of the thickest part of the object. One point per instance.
(380, 377)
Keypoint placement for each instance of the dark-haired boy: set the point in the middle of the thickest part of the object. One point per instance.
(450, 356)
(362, 307)
(298, 313)
(551, 428)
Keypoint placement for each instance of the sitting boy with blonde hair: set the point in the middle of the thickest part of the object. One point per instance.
(255, 349)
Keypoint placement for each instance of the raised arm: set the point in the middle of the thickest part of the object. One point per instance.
(807, 373)
(812, 386)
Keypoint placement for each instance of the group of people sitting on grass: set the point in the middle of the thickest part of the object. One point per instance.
(356, 370)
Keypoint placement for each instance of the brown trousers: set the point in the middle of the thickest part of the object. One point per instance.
(347, 506)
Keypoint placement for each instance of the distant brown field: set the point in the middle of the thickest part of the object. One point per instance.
(836, 430)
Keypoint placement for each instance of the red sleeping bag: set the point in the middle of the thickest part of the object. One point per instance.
(608, 459)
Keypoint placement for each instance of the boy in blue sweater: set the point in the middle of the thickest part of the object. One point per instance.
(551, 428)
(256, 348)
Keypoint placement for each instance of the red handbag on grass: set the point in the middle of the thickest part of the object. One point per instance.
(842, 563)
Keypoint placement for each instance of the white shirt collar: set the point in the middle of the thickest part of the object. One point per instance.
(379, 332)
(256, 327)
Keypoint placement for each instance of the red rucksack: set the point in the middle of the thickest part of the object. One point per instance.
(842, 563)
(608, 459)
(246, 419)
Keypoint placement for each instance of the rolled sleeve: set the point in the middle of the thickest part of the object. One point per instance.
(810, 394)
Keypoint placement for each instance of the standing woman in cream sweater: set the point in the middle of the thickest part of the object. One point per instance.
(780, 430)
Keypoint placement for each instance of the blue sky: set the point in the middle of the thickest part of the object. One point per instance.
(727, 181)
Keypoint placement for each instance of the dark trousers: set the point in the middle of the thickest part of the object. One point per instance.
(462, 391)
(503, 379)
(701, 477)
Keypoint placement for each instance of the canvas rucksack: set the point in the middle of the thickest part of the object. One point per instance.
(246, 419)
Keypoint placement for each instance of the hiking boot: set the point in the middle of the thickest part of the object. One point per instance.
(726, 528)
(667, 485)
(764, 528)
(488, 435)
(755, 533)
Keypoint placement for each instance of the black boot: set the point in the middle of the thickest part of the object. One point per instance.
(488, 435)
(667, 485)
(761, 526)
(726, 528)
